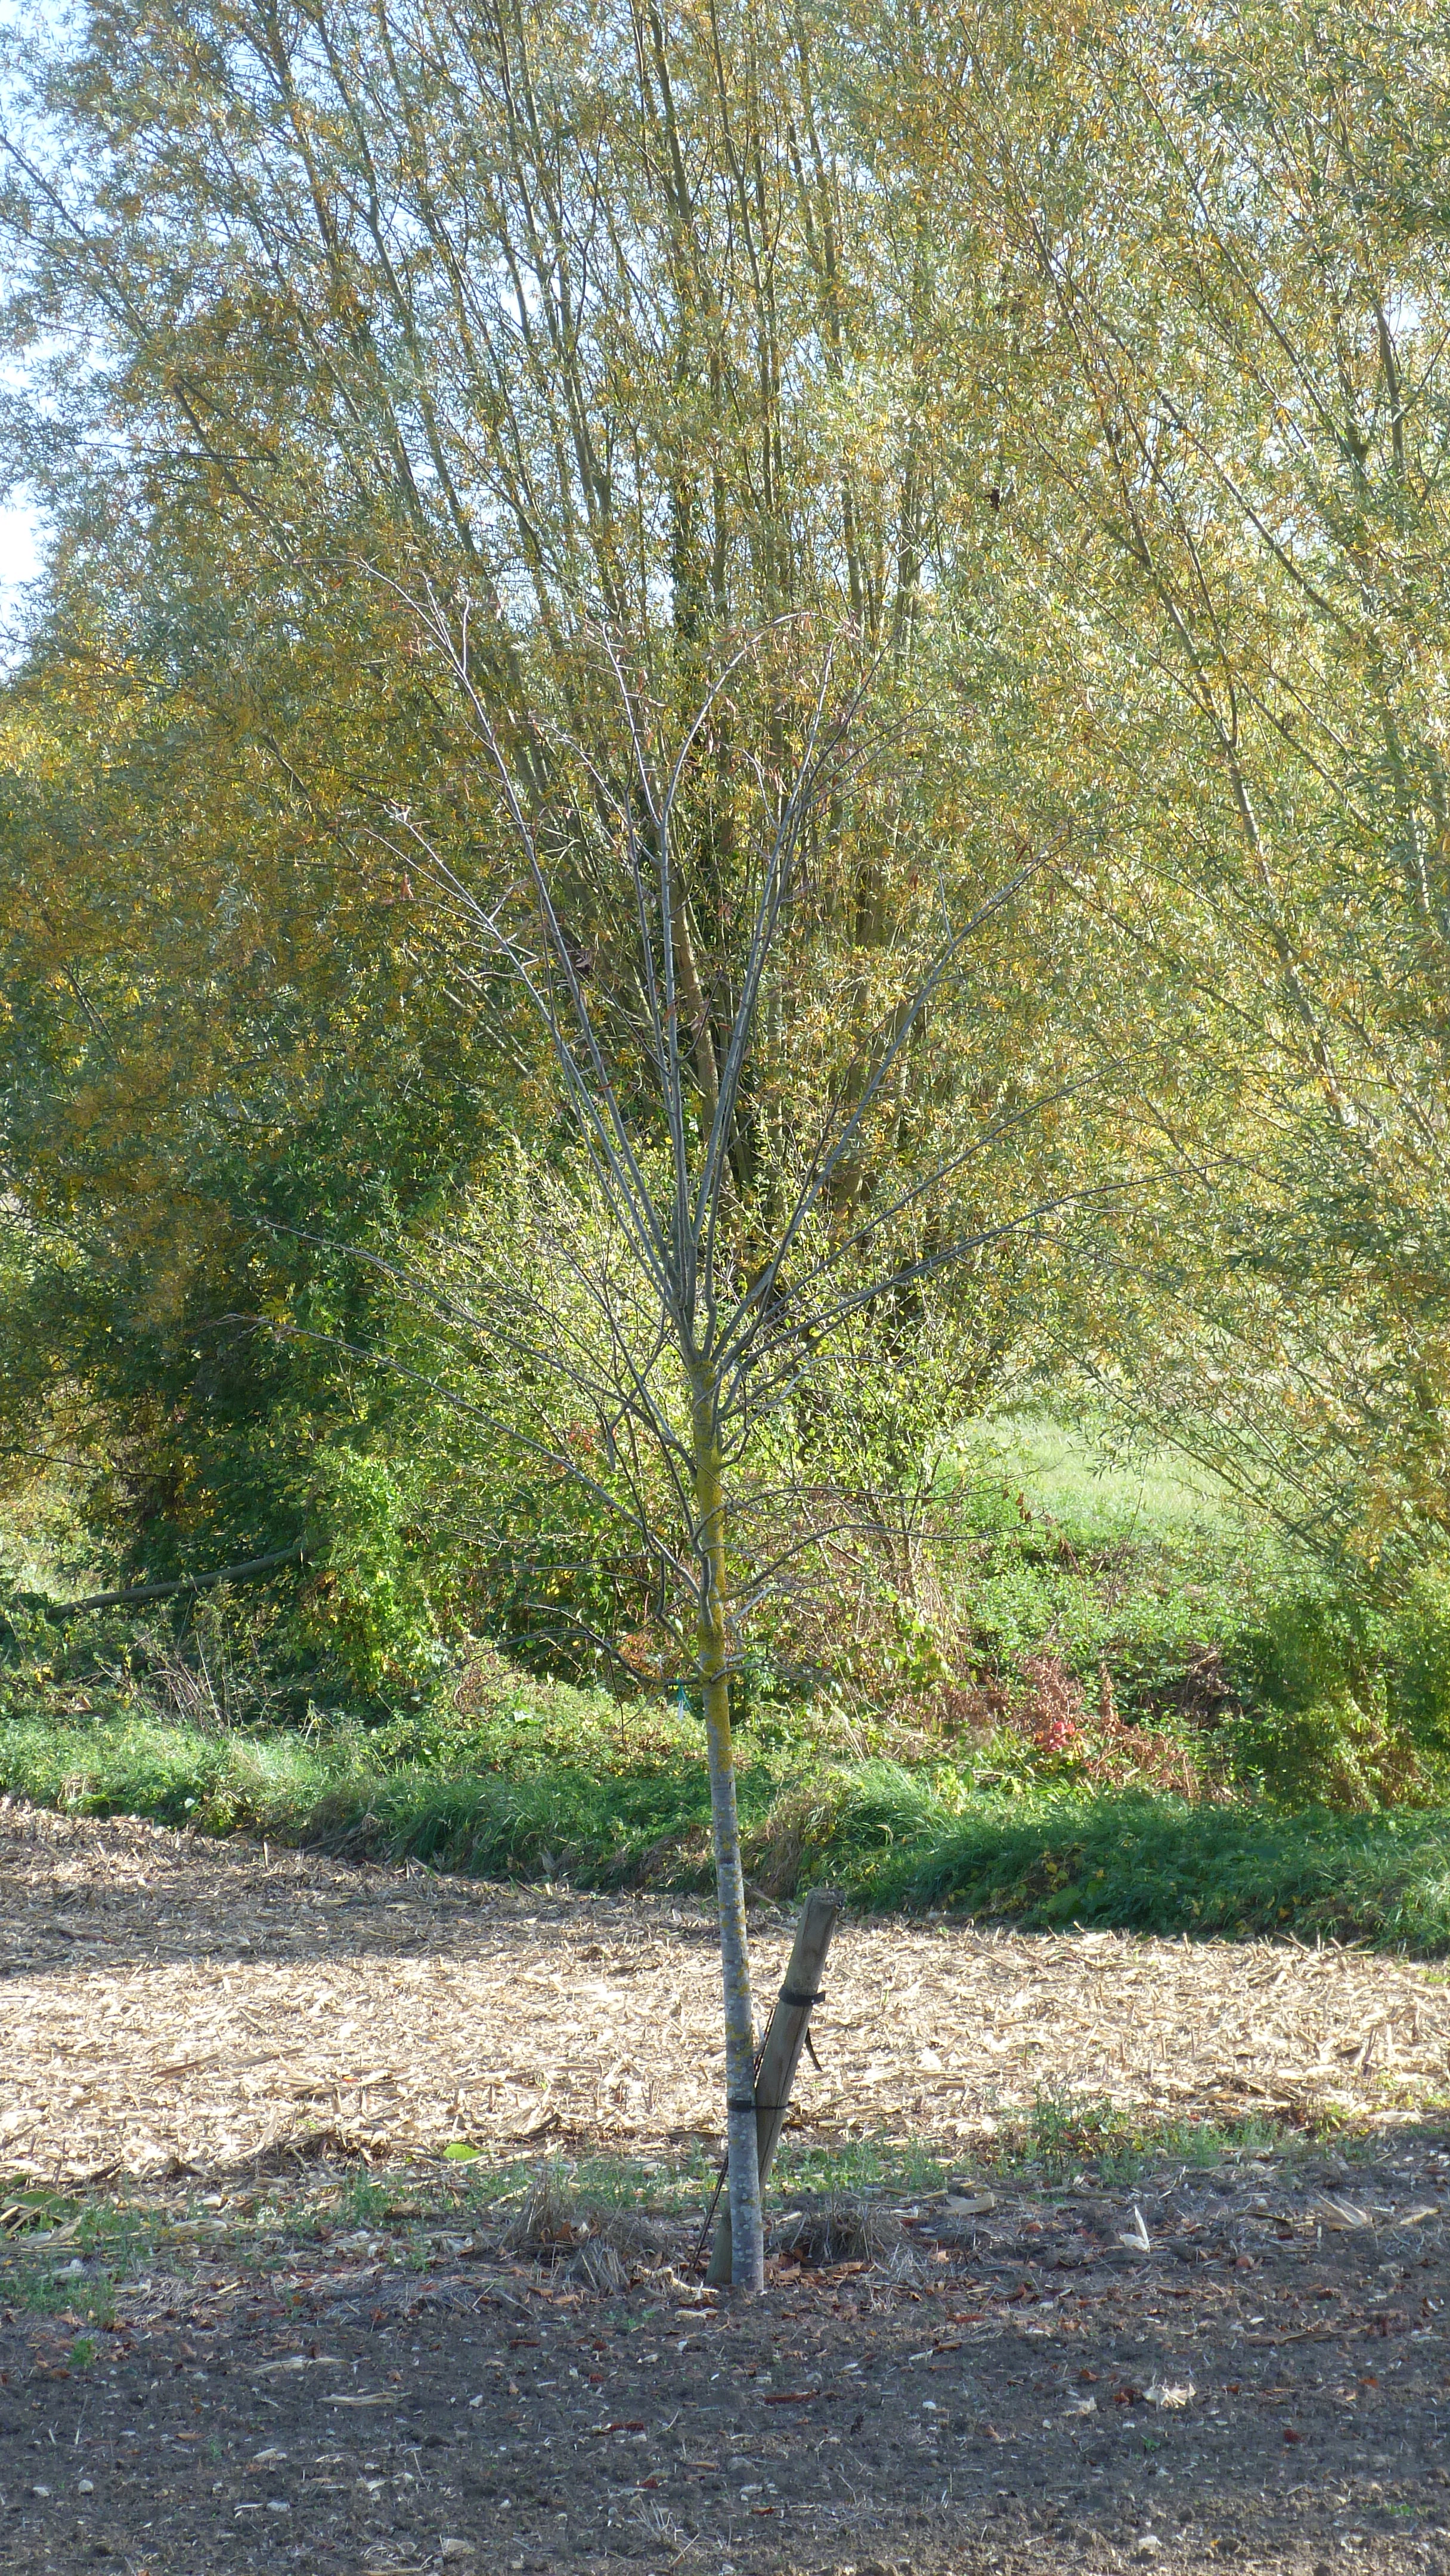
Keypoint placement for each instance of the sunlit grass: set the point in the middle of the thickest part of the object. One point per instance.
(1091, 1486)
(891, 1837)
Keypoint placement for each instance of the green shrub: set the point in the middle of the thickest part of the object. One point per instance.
(1339, 1700)
(1419, 1669)
(371, 1605)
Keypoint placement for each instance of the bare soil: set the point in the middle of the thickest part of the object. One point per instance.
(1240, 2367)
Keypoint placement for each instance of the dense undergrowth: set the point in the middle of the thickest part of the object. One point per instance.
(1121, 1711)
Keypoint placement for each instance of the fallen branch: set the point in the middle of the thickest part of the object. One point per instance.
(296, 1554)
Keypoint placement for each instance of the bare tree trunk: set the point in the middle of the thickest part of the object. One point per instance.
(746, 2232)
(781, 2054)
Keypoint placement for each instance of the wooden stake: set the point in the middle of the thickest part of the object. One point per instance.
(781, 2056)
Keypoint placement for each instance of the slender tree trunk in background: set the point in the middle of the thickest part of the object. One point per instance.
(746, 2232)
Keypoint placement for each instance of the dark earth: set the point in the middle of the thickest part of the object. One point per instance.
(1003, 2387)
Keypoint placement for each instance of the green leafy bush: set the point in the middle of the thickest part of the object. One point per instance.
(1340, 1701)
(371, 1604)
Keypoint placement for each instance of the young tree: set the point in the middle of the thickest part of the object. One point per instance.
(538, 322)
(746, 1215)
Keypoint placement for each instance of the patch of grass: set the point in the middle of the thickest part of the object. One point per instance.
(1135, 1560)
(900, 2168)
(674, 2184)
(26, 2206)
(365, 2200)
(1094, 1490)
(1067, 2134)
(1281, 1678)
(30, 2283)
(893, 1837)
(1155, 1864)
(105, 1764)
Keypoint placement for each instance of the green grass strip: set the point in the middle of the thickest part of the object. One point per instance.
(893, 1839)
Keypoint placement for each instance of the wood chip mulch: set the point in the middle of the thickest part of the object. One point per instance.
(170, 2005)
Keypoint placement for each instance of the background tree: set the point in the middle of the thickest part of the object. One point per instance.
(221, 1039)
(1218, 258)
(594, 309)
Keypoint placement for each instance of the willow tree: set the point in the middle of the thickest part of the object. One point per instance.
(595, 309)
(464, 336)
(582, 300)
(1219, 259)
